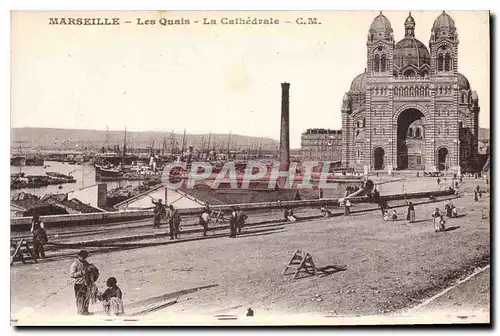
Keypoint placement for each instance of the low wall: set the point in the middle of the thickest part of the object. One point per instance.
(24, 223)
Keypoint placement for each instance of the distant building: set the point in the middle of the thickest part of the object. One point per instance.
(319, 144)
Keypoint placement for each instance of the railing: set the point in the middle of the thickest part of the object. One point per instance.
(416, 78)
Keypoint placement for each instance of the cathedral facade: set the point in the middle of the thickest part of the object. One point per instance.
(411, 109)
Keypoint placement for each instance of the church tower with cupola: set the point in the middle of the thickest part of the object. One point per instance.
(410, 109)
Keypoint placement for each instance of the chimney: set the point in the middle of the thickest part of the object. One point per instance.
(285, 128)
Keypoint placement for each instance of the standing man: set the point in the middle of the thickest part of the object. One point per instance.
(233, 223)
(411, 212)
(347, 208)
(170, 219)
(176, 220)
(204, 220)
(439, 183)
(242, 217)
(78, 271)
(159, 213)
(39, 236)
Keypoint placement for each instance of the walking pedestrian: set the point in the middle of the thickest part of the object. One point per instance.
(39, 236)
(411, 212)
(233, 222)
(439, 183)
(113, 298)
(436, 215)
(476, 196)
(204, 220)
(176, 221)
(449, 209)
(159, 213)
(85, 275)
(242, 217)
(383, 205)
(394, 215)
(170, 218)
(347, 208)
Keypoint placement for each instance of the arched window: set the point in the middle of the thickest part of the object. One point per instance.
(447, 63)
(383, 64)
(376, 68)
(418, 135)
(364, 122)
(460, 124)
(357, 124)
(410, 132)
(440, 62)
(463, 97)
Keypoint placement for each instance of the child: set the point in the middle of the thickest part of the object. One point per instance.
(326, 212)
(386, 215)
(441, 223)
(112, 297)
(394, 215)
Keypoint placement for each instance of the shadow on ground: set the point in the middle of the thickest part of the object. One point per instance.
(451, 228)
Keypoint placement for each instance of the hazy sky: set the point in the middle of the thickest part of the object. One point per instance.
(208, 78)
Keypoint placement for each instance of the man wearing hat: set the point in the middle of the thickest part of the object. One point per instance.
(78, 271)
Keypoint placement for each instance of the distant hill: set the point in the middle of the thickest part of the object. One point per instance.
(73, 139)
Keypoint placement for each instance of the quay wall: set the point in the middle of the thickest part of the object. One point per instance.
(24, 223)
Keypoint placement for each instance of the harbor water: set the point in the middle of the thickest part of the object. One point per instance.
(84, 175)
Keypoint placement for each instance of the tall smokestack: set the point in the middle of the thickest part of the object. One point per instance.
(285, 128)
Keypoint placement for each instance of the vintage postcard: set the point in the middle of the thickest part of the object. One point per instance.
(250, 168)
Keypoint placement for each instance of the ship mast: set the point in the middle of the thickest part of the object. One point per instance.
(107, 138)
(124, 147)
(164, 145)
(172, 142)
(208, 145)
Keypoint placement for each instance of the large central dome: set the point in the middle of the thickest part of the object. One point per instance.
(410, 51)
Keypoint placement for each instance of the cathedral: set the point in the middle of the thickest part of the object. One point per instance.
(411, 109)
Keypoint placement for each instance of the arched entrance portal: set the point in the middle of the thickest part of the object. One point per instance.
(378, 156)
(410, 141)
(442, 156)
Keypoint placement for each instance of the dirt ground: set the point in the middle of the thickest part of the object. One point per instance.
(389, 266)
(468, 298)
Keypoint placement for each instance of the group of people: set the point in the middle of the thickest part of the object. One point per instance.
(85, 276)
(478, 194)
(236, 221)
(172, 216)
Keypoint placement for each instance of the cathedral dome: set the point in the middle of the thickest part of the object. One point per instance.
(380, 29)
(359, 83)
(443, 21)
(463, 83)
(380, 23)
(410, 51)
